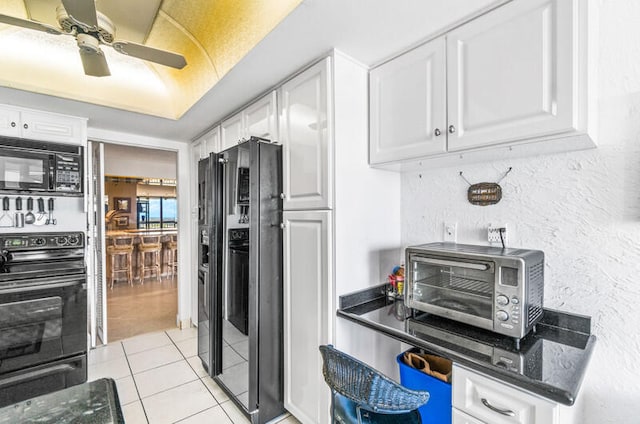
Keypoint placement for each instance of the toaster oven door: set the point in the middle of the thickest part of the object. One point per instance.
(462, 290)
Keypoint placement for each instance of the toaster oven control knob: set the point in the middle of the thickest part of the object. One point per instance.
(73, 240)
(502, 316)
(39, 241)
(502, 300)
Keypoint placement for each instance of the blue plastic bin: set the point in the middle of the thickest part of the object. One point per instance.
(438, 409)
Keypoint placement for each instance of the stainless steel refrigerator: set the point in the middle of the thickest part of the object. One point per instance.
(240, 334)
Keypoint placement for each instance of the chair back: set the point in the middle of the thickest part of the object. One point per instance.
(122, 243)
(367, 387)
(149, 242)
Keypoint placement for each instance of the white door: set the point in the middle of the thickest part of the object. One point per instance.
(308, 312)
(232, 131)
(96, 244)
(408, 105)
(510, 74)
(261, 118)
(306, 135)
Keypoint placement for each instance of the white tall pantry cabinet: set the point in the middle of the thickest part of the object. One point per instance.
(329, 248)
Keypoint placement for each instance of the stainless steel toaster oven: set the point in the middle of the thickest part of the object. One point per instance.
(497, 289)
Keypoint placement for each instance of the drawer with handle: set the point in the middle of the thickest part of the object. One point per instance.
(492, 401)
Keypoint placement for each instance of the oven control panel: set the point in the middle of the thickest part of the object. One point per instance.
(40, 241)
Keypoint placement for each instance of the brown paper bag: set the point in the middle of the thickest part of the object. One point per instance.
(432, 365)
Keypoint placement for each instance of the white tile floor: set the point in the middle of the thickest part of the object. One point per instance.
(161, 380)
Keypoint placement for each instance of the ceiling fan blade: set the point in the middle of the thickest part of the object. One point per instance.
(94, 64)
(24, 23)
(83, 11)
(162, 57)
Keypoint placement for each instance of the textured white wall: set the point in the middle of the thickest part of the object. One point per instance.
(582, 209)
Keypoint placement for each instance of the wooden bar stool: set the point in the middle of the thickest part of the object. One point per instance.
(171, 255)
(119, 255)
(149, 248)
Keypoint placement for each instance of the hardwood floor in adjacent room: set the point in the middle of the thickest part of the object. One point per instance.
(141, 308)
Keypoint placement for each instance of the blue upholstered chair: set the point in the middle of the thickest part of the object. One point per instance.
(362, 395)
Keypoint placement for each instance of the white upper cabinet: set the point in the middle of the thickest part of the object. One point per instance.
(232, 131)
(408, 105)
(42, 126)
(520, 75)
(305, 133)
(259, 119)
(10, 122)
(208, 143)
(510, 74)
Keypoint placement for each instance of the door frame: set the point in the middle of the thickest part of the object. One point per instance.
(187, 286)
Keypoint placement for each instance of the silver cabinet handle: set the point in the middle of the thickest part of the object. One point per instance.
(437, 132)
(283, 225)
(452, 129)
(25, 126)
(13, 124)
(282, 196)
(507, 412)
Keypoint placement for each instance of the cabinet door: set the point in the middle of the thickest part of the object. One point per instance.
(408, 105)
(494, 402)
(10, 122)
(308, 312)
(232, 131)
(261, 118)
(307, 140)
(52, 127)
(510, 74)
(458, 417)
(209, 143)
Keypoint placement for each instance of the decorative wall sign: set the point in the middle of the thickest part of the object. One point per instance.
(484, 194)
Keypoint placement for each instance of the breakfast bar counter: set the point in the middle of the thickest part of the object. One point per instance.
(550, 362)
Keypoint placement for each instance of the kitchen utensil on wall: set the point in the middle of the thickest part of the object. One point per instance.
(29, 218)
(41, 218)
(51, 220)
(5, 219)
(18, 217)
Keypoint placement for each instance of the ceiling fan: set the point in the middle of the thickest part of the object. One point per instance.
(80, 19)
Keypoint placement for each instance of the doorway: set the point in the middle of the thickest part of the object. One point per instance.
(138, 222)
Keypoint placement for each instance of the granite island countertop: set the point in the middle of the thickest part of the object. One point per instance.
(95, 402)
(550, 362)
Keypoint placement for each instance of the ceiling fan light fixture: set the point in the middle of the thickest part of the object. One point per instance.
(88, 43)
(106, 29)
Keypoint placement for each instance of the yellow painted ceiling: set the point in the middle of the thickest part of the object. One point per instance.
(213, 36)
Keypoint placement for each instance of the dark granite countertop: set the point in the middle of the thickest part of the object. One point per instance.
(95, 402)
(550, 362)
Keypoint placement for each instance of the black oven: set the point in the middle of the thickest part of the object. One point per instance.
(43, 314)
(31, 166)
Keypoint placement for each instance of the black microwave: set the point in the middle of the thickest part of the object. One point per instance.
(32, 166)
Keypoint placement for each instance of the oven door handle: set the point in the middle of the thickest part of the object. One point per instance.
(57, 369)
(55, 284)
(468, 265)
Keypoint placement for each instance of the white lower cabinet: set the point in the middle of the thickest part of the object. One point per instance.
(477, 399)
(458, 417)
(307, 309)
